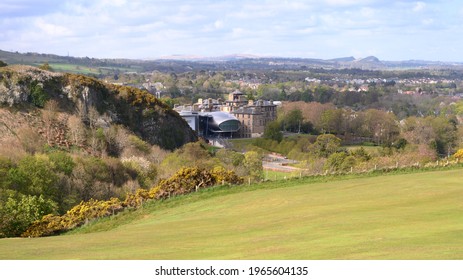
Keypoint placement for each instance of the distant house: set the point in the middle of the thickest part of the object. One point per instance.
(253, 115)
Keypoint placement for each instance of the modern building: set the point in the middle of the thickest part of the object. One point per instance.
(219, 124)
(236, 117)
(192, 118)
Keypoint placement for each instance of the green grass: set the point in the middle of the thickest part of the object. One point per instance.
(369, 149)
(279, 175)
(243, 144)
(85, 70)
(397, 216)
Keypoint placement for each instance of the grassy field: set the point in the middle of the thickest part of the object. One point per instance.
(369, 149)
(80, 69)
(279, 175)
(399, 216)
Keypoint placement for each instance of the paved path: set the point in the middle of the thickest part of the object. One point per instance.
(279, 163)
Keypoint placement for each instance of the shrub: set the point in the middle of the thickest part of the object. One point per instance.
(184, 181)
(253, 163)
(34, 175)
(272, 131)
(361, 154)
(459, 154)
(38, 96)
(348, 163)
(335, 161)
(139, 144)
(19, 211)
(5, 166)
(77, 216)
(62, 162)
(226, 176)
(46, 67)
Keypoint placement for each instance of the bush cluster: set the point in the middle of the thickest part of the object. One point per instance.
(185, 181)
(77, 216)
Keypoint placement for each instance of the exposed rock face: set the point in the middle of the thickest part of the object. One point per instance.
(97, 103)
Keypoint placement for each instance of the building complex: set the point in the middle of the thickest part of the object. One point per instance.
(236, 117)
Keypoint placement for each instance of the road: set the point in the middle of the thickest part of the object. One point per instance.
(280, 163)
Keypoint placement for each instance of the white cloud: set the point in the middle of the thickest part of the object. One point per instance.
(238, 32)
(218, 24)
(428, 21)
(367, 12)
(419, 6)
(347, 2)
(146, 28)
(52, 29)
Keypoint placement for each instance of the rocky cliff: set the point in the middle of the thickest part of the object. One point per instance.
(95, 102)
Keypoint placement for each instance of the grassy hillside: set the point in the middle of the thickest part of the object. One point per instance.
(402, 216)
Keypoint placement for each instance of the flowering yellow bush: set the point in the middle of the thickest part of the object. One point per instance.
(186, 180)
(78, 215)
(459, 154)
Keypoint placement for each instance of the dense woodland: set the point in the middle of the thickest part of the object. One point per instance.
(79, 161)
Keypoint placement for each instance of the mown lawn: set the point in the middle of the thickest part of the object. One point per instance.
(401, 216)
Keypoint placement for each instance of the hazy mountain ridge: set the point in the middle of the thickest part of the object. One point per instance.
(183, 63)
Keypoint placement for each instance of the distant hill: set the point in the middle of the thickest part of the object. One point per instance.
(344, 59)
(369, 59)
(185, 63)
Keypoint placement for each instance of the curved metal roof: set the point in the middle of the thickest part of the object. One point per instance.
(222, 121)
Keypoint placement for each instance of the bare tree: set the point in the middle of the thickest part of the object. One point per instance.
(76, 131)
(50, 117)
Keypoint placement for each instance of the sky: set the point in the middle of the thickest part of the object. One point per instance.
(139, 29)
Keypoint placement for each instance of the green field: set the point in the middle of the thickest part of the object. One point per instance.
(400, 216)
(85, 70)
(272, 175)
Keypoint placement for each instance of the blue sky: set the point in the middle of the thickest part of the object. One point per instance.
(388, 29)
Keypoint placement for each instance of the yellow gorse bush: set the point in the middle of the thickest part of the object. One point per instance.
(186, 180)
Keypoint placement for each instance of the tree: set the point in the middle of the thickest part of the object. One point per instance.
(77, 131)
(331, 121)
(18, 211)
(62, 162)
(272, 131)
(5, 166)
(230, 157)
(445, 130)
(3, 64)
(325, 145)
(311, 112)
(34, 175)
(381, 126)
(418, 130)
(292, 120)
(253, 163)
(50, 116)
(190, 155)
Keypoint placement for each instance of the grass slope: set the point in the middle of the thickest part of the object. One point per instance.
(401, 216)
